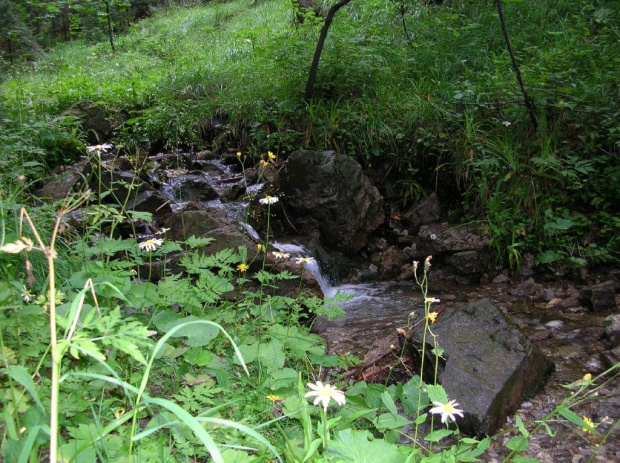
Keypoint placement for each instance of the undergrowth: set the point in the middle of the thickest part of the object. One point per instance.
(102, 362)
(425, 93)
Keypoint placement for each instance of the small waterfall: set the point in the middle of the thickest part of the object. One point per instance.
(296, 250)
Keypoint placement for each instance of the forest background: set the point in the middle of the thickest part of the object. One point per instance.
(522, 139)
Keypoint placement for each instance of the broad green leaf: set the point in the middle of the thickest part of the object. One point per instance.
(387, 400)
(518, 443)
(282, 378)
(436, 393)
(411, 394)
(352, 446)
(77, 451)
(438, 434)
(521, 459)
(20, 374)
(390, 421)
(198, 357)
(314, 445)
(549, 256)
(198, 335)
(194, 242)
(140, 215)
(521, 426)
(237, 456)
(575, 419)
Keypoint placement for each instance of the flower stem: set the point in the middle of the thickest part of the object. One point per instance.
(325, 431)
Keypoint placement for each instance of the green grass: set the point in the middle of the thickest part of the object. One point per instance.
(433, 103)
(411, 105)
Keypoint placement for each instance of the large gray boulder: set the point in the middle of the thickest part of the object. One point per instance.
(65, 181)
(95, 123)
(210, 223)
(464, 248)
(490, 366)
(329, 193)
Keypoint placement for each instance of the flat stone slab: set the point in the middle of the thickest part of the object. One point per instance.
(490, 368)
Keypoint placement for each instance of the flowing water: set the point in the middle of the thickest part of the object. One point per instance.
(572, 338)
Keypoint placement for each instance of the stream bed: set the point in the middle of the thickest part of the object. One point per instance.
(573, 339)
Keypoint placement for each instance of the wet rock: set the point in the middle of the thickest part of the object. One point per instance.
(563, 304)
(554, 324)
(232, 193)
(553, 303)
(600, 297)
(609, 358)
(192, 188)
(426, 211)
(407, 272)
(173, 160)
(389, 262)
(97, 126)
(212, 223)
(370, 273)
(440, 238)
(377, 243)
(151, 201)
(501, 279)
(463, 247)
(329, 192)
(469, 265)
(612, 329)
(530, 290)
(64, 182)
(490, 366)
(117, 186)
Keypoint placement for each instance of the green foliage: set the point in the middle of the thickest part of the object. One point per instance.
(173, 369)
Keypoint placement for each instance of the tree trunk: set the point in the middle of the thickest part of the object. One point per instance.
(319, 47)
(529, 104)
(110, 34)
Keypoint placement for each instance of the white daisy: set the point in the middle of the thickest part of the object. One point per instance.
(269, 200)
(98, 149)
(324, 393)
(150, 244)
(26, 294)
(446, 410)
(281, 255)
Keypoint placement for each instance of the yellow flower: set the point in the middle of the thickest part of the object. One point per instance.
(589, 422)
(274, 398)
(432, 316)
(264, 163)
(587, 377)
(271, 155)
(238, 154)
(259, 247)
(243, 267)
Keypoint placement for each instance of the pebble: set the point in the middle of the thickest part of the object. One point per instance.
(554, 324)
(553, 302)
